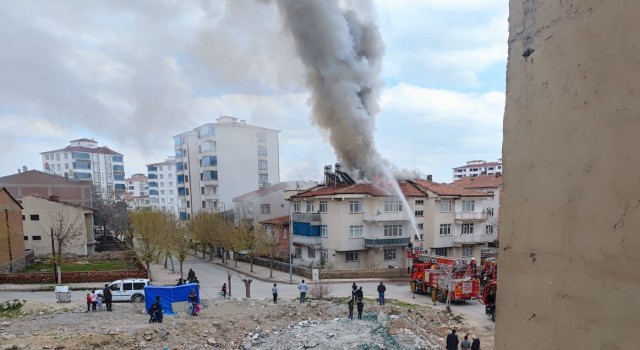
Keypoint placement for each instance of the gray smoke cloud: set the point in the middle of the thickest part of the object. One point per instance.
(342, 52)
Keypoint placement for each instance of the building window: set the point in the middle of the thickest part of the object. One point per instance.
(419, 213)
(390, 254)
(419, 201)
(445, 229)
(311, 252)
(162, 184)
(262, 137)
(36, 238)
(445, 206)
(468, 205)
(208, 175)
(265, 209)
(492, 194)
(490, 211)
(208, 130)
(467, 229)
(262, 151)
(467, 251)
(392, 230)
(355, 231)
(23, 217)
(441, 251)
(323, 206)
(58, 167)
(296, 207)
(207, 146)
(34, 217)
(351, 256)
(309, 207)
(420, 226)
(392, 206)
(46, 157)
(162, 192)
(66, 166)
(298, 251)
(26, 238)
(324, 254)
(171, 192)
(263, 178)
(58, 156)
(355, 207)
(324, 231)
(262, 165)
(488, 229)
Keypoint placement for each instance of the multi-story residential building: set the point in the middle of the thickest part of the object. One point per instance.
(163, 189)
(84, 160)
(12, 251)
(356, 225)
(477, 168)
(35, 182)
(137, 191)
(278, 229)
(44, 217)
(217, 162)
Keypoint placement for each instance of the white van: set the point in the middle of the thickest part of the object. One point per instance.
(130, 289)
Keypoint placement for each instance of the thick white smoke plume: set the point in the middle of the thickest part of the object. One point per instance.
(342, 53)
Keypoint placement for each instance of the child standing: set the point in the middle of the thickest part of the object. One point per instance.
(88, 302)
(350, 303)
(99, 299)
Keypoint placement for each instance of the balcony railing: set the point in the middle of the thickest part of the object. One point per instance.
(471, 215)
(378, 242)
(382, 216)
(307, 240)
(471, 238)
(305, 217)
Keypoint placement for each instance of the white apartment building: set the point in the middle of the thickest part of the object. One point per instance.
(361, 225)
(84, 160)
(217, 162)
(163, 189)
(137, 191)
(267, 203)
(477, 168)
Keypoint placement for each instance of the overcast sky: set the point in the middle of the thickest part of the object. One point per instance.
(131, 74)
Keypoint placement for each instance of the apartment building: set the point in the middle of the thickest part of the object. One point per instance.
(492, 186)
(360, 224)
(219, 161)
(42, 216)
(163, 189)
(84, 160)
(477, 168)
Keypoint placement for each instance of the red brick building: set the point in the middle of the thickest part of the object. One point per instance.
(12, 253)
(38, 183)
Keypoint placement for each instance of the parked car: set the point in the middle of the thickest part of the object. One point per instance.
(130, 289)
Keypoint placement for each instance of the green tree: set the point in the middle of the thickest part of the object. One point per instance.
(268, 244)
(148, 230)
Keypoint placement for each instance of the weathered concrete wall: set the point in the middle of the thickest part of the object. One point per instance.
(569, 258)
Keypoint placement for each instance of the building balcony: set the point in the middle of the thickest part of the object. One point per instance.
(471, 216)
(472, 239)
(385, 217)
(386, 242)
(306, 217)
(311, 241)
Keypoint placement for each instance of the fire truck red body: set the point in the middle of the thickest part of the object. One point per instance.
(431, 272)
(490, 287)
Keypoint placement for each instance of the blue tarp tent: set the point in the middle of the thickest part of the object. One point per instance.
(168, 295)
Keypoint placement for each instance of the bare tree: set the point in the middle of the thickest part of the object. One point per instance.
(67, 227)
(268, 244)
(321, 290)
(243, 241)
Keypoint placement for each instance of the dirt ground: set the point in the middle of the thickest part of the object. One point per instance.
(233, 324)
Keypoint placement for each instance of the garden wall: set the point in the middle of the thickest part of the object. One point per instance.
(71, 277)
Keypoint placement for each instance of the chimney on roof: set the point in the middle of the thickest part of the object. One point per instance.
(54, 198)
(429, 177)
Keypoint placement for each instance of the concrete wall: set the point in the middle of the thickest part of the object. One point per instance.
(569, 247)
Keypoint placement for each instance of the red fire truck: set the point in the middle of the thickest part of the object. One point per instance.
(449, 276)
(490, 287)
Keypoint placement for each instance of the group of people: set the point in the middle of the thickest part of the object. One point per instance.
(466, 344)
(191, 278)
(156, 312)
(96, 300)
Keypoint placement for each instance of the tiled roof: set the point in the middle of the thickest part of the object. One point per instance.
(408, 190)
(59, 201)
(100, 150)
(31, 177)
(448, 190)
(483, 181)
(261, 192)
(282, 220)
(478, 165)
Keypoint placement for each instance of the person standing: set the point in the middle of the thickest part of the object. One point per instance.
(193, 299)
(274, 291)
(191, 275)
(94, 300)
(224, 290)
(354, 288)
(350, 303)
(475, 344)
(473, 266)
(359, 294)
(99, 299)
(155, 311)
(106, 292)
(452, 340)
(381, 290)
(360, 308)
(465, 344)
(303, 287)
(88, 302)
(433, 295)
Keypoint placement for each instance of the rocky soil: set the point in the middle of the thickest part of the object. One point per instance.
(232, 324)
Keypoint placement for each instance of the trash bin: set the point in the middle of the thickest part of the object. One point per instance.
(63, 294)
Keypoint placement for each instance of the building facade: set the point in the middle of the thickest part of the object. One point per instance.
(137, 196)
(44, 217)
(217, 162)
(163, 189)
(360, 225)
(84, 160)
(12, 251)
(477, 168)
(38, 183)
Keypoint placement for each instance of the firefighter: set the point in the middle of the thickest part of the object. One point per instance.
(433, 295)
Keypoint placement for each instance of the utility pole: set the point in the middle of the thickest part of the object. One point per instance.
(6, 218)
(290, 244)
(53, 253)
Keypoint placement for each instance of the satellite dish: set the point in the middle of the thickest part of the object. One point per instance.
(24, 167)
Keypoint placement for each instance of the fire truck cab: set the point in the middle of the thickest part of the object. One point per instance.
(450, 277)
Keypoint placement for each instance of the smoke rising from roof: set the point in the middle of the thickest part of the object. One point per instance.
(342, 52)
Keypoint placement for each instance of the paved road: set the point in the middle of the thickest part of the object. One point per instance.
(212, 276)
